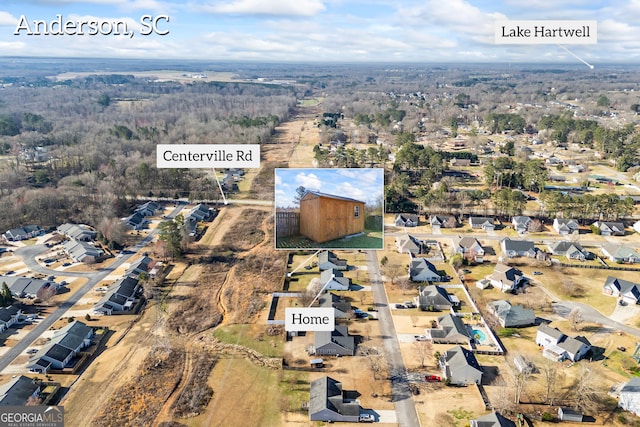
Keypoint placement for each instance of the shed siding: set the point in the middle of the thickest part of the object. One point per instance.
(324, 218)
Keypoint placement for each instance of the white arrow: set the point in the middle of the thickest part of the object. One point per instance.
(220, 187)
(577, 57)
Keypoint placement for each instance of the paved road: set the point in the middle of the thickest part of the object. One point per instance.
(401, 395)
(48, 321)
(28, 255)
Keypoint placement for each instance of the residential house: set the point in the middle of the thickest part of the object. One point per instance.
(434, 297)
(330, 403)
(516, 248)
(334, 343)
(459, 162)
(407, 220)
(469, 247)
(9, 316)
(328, 260)
(451, 330)
(120, 298)
(136, 221)
(511, 316)
(144, 264)
(26, 287)
(325, 217)
(565, 226)
(506, 278)
(64, 345)
(460, 367)
(636, 226)
(201, 212)
(629, 398)
(482, 222)
(19, 390)
(617, 252)
(521, 223)
(440, 221)
(147, 209)
(571, 250)
(79, 232)
(570, 414)
(628, 292)
(558, 346)
(80, 251)
(341, 306)
(23, 233)
(334, 280)
(421, 270)
(609, 228)
(408, 244)
(493, 419)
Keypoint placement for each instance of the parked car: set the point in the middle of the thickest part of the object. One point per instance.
(409, 304)
(400, 306)
(66, 264)
(420, 337)
(537, 273)
(366, 418)
(32, 351)
(432, 378)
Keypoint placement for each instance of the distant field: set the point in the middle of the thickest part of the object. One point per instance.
(161, 74)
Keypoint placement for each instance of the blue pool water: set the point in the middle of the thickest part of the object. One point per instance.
(479, 336)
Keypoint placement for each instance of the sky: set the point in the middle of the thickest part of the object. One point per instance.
(320, 30)
(361, 184)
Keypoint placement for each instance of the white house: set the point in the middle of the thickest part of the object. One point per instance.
(469, 246)
(625, 290)
(620, 253)
(515, 248)
(408, 244)
(609, 228)
(558, 346)
(565, 226)
(334, 280)
(636, 226)
(482, 222)
(629, 399)
(521, 223)
(506, 278)
(407, 220)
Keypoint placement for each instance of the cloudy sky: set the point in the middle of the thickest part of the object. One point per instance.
(321, 30)
(360, 184)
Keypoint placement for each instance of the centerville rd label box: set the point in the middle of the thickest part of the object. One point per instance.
(309, 319)
(208, 156)
(546, 32)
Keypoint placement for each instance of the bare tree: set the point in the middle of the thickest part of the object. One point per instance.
(375, 358)
(551, 377)
(422, 350)
(405, 284)
(587, 390)
(576, 318)
(393, 271)
(535, 226)
(306, 297)
(520, 378)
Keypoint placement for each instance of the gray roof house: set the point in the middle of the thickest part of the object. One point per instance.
(625, 290)
(408, 244)
(80, 251)
(451, 330)
(493, 419)
(620, 253)
(201, 212)
(565, 226)
(9, 316)
(334, 343)
(558, 346)
(515, 248)
(610, 228)
(441, 221)
(18, 390)
(433, 296)
(25, 287)
(571, 250)
(23, 233)
(136, 221)
(421, 270)
(328, 260)
(521, 223)
(120, 297)
(334, 280)
(407, 220)
(77, 232)
(329, 402)
(139, 266)
(506, 278)
(510, 316)
(460, 367)
(629, 398)
(341, 306)
(469, 245)
(65, 344)
(147, 209)
(482, 222)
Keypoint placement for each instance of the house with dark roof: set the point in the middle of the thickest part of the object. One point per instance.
(627, 291)
(521, 223)
(608, 228)
(201, 212)
(460, 366)
(571, 250)
(422, 270)
(64, 345)
(407, 244)
(434, 297)
(469, 246)
(407, 220)
(511, 316)
(144, 264)
(330, 403)
(558, 346)
(120, 298)
(334, 280)
(442, 221)
(19, 390)
(629, 398)
(26, 287)
(325, 217)
(80, 232)
(9, 316)
(334, 343)
(23, 233)
(341, 306)
(515, 248)
(565, 226)
(136, 221)
(451, 330)
(617, 252)
(147, 209)
(327, 260)
(80, 251)
(482, 222)
(506, 278)
(493, 419)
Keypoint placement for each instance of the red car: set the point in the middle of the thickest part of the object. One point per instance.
(432, 378)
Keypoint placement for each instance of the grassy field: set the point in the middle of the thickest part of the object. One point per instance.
(313, 102)
(251, 336)
(369, 240)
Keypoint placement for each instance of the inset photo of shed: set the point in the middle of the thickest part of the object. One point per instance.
(329, 208)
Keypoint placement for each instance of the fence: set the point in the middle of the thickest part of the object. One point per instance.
(287, 224)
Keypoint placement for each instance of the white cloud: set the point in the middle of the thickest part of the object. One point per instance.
(261, 7)
(310, 181)
(7, 19)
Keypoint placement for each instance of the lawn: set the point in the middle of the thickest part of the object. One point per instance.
(310, 102)
(251, 336)
(368, 240)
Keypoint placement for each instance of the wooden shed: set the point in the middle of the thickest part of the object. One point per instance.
(325, 217)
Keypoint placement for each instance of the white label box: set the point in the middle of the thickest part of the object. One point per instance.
(208, 156)
(546, 32)
(309, 319)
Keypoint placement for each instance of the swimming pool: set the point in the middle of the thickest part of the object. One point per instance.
(479, 336)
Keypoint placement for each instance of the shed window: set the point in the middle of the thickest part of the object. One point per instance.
(356, 211)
